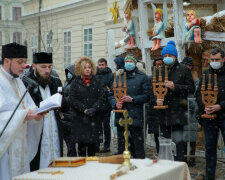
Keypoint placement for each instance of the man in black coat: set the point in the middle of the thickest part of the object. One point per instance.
(137, 94)
(180, 84)
(105, 77)
(212, 126)
(51, 144)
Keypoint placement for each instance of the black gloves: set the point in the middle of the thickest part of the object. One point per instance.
(90, 112)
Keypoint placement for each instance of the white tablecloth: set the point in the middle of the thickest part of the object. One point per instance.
(163, 170)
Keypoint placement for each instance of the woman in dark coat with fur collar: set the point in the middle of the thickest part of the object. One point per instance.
(86, 98)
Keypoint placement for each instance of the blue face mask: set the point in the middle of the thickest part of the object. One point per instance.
(168, 60)
(69, 75)
(129, 66)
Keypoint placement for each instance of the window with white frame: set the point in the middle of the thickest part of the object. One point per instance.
(67, 48)
(49, 38)
(88, 36)
(33, 45)
(16, 12)
(17, 37)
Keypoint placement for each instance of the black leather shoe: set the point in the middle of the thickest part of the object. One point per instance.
(104, 150)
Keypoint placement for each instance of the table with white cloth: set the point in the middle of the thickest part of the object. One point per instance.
(93, 170)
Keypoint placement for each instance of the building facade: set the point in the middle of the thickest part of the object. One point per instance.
(69, 29)
(10, 25)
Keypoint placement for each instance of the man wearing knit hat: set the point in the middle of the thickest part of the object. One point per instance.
(50, 145)
(137, 94)
(180, 84)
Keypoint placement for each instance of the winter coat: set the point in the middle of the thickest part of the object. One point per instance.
(221, 92)
(176, 113)
(37, 98)
(105, 77)
(190, 133)
(152, 117)
(86, 129)
(191, 129)
(138, 88)
(67, 112)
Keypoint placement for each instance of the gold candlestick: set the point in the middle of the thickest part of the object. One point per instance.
(203, 82)
(159, 88)
(119, 91)
(209, 96)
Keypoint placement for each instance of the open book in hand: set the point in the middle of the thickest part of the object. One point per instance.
(50, 103)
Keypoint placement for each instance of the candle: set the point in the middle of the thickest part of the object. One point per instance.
(203, 82)
(215, 83)
(160, 74)
(125, 83)
(166, 73)
(210, 82)
(125, 80)
(114, 83)
(120, 83)
(154, 74)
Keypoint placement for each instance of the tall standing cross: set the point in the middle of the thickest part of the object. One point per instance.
(126, 121)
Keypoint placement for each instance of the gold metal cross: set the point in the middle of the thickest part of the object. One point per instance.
(125, 122)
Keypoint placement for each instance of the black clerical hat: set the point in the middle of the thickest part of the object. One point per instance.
(42, 58)
(14, 50)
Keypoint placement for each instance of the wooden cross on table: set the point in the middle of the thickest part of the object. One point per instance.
(51, 172)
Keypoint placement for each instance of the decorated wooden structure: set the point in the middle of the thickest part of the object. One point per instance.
(212, 33)
(212, 37)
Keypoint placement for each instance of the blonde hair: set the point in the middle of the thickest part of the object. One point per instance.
(189, 12)
(158, 10)
(80, 64)
(128, 12)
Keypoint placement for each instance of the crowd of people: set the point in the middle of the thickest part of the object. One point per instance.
(32, 140)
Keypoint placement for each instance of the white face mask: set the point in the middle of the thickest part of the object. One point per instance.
(215, 65)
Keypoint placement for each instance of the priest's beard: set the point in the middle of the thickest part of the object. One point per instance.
(43, 81)
(11, 72)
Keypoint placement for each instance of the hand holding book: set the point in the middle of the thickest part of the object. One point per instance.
(50, 103)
